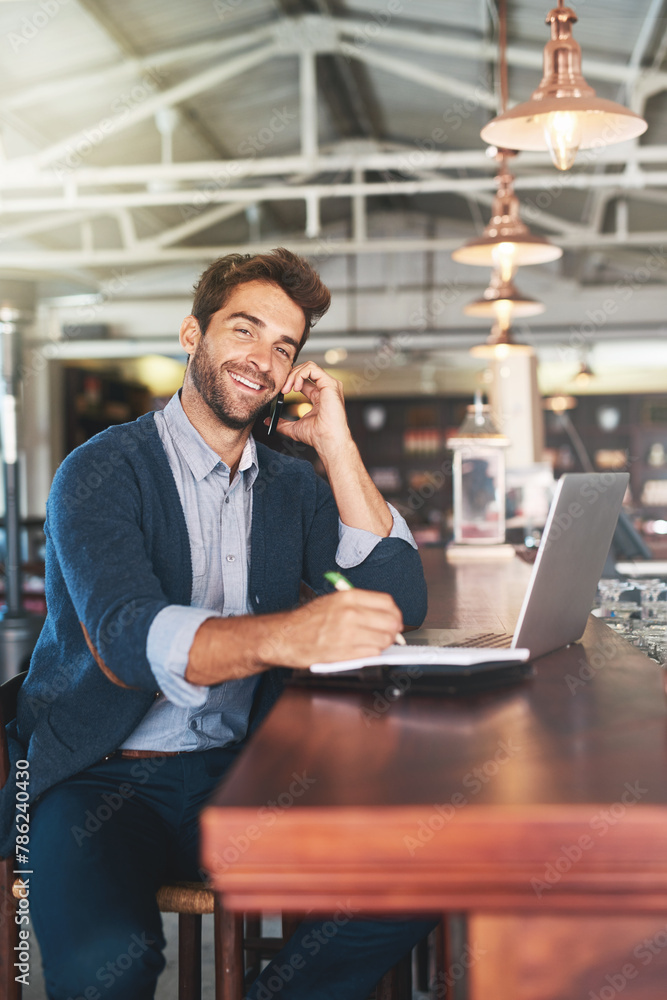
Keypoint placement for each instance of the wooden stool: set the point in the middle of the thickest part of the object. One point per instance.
(191, 900)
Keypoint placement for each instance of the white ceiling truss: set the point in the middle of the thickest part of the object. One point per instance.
(53, 187)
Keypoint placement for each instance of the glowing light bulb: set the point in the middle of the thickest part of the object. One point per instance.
(503, 312)
(504, 256)
(562, 131)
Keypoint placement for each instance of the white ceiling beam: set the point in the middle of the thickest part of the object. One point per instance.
(308, 105)
(359, 211)
(101, 202)
(318, 250)
(225, 172)
(41, 224)
(354, 343)
(63, 350)
(313, 222)
(652, 196)
(529, 211)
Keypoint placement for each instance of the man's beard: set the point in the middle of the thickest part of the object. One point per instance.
(211, 386)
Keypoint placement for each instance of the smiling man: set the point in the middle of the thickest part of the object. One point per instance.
(176, 547)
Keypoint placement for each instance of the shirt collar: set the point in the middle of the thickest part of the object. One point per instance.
(200, 458)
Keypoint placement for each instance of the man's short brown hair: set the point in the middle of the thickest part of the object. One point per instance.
(281, 267)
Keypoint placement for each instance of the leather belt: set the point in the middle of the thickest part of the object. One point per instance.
(143, 753)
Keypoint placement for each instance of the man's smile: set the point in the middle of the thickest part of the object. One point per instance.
(242, 380)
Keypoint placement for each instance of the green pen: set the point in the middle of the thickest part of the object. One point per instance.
(340, 582)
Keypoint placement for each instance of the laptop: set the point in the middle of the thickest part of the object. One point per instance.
(570, 559)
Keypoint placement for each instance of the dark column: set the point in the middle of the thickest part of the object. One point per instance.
(18, 628)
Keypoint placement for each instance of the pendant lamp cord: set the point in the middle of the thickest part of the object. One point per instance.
(502, 47)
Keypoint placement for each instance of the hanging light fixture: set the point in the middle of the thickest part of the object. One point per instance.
(584, 374)
(506, 243)
(500, 344)
(564, 114)
(502, 300)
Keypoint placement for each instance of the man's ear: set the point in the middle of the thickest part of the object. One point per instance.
(189, 334)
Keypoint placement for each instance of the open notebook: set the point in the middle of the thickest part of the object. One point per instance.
(560, 594)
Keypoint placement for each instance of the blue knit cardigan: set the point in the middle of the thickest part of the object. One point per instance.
(117, 552)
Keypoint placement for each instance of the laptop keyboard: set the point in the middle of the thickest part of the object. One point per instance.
(486, 640)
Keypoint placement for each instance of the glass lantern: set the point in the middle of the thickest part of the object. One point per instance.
(479, 478)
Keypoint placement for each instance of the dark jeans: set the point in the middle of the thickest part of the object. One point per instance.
(103, 842)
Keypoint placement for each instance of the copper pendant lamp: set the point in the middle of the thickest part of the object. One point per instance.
(584, 375)
(502, 300)
(564, 114)
(500, 344)
(506, 243)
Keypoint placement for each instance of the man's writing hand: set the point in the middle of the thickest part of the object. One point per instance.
(341, 626)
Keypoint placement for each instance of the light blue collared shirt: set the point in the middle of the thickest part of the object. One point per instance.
(218, 517)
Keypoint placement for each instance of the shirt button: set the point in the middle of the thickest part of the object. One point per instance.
(226, 499)
(231, 558)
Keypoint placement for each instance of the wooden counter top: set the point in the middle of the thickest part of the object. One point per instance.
(460, 799)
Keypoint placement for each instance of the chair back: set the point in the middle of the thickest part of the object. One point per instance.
(9, 692)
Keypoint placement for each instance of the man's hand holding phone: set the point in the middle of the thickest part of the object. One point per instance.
(325, 429)
(325, 426)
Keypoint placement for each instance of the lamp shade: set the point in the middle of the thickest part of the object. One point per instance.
(564, 114)
(503, 300)
(506, 243)
(584, 374)
(499, 344)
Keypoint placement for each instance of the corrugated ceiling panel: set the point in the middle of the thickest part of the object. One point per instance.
(457, 14)
(657, 112)
(153, 25)
(256, 114)
(39, 47)
(435, 120)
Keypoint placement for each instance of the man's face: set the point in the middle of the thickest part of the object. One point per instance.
(250, 345)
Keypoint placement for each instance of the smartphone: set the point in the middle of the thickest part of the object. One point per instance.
(274, 413)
